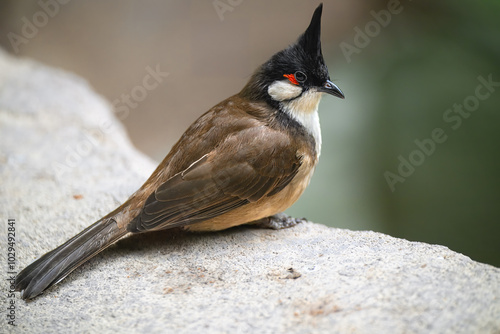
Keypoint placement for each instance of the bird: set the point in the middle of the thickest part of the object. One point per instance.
(244, 161)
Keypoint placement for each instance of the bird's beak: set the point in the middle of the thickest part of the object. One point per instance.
(332, 89)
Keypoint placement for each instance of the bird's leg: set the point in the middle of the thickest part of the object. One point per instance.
(278, 221)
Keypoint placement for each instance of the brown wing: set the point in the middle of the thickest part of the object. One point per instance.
(248, 166)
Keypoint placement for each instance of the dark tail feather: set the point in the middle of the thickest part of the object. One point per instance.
(52, 267)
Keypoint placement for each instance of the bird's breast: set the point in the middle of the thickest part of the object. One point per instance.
(304, 110)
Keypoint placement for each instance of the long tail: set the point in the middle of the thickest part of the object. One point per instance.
(52, 267)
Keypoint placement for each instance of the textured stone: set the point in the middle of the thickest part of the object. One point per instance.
(62, 168)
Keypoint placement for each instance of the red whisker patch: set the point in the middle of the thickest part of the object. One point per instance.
(291, 78)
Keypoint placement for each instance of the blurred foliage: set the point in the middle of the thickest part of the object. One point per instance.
(398, 89)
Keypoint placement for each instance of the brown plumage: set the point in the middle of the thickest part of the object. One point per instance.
(242, 157)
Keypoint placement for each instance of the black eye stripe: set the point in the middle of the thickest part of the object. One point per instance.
(300, 76)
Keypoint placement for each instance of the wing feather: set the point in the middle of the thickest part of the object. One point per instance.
(222, 181)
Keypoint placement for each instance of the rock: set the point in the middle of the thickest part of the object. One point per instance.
(66, 161)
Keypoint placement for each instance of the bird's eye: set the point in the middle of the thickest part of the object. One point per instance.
(300, 76)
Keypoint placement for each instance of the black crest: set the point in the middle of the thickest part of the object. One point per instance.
(311, 39)
(304, 55)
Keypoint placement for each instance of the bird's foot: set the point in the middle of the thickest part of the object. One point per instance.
(278, 221)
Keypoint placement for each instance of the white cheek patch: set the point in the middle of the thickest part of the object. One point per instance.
(283, 90)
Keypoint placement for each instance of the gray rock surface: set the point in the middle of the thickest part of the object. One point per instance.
(65, 161)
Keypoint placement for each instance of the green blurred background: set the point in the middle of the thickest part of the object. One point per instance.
(403, 76)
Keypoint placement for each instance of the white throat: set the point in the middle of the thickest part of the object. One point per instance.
(303, 109)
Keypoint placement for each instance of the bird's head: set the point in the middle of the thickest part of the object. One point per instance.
(297, 76)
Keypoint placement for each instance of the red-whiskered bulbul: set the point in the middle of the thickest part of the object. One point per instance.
(244, 161)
